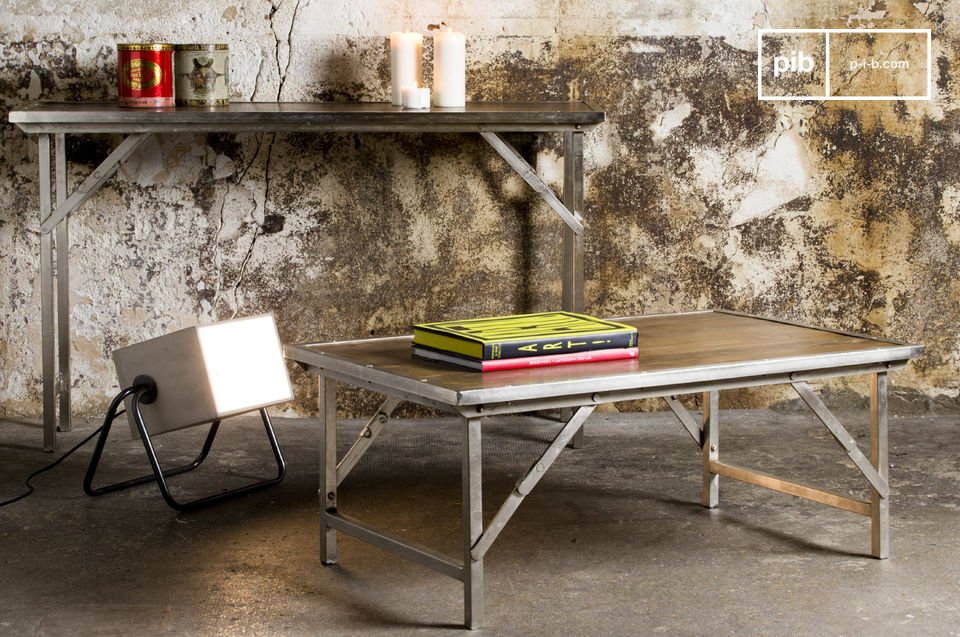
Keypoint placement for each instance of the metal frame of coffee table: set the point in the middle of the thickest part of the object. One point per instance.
(691, 353)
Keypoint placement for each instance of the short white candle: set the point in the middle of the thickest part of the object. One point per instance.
(406, 63)
(416, 97)
(449, 68)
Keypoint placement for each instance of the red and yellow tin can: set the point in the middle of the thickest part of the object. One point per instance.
(145, 74)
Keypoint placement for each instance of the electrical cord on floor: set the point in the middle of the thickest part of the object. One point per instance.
(112, 414)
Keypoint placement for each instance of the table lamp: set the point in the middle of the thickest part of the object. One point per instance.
(196, 376)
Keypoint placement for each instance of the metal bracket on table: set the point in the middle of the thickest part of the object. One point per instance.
(94, 180)
(569, 208)
(525, 170)
(526, 484)
(368, 434)
(843, 437)
(686, 419)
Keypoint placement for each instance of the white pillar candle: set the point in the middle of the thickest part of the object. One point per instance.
(416, 97)
(406, 63)
(449, 68)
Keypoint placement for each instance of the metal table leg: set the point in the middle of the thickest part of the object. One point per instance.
(573, 241)
(328, 467)
(472, 456)
(62, 278)
(569, 209)
(879, 502)
(572, 299)
(55, 274)
(711, 448)
(47, 319)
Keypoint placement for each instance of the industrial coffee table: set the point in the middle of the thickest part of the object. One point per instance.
(689, 353)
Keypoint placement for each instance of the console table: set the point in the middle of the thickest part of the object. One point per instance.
(52, 122)
(698, 352)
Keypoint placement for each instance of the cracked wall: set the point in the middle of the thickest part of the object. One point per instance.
(698, 195)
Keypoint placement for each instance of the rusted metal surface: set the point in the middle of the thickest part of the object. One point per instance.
(697, 195)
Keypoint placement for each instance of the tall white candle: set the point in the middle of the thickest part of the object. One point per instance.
(449, 68)
(406, 63)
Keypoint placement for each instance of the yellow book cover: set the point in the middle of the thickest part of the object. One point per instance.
(518, 335)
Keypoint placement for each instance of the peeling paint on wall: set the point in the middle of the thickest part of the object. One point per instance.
(698, 195)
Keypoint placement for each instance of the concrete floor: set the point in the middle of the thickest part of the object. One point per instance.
(612, 542)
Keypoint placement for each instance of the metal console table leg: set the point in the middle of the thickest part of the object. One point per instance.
(573, 240)
(62, 273)
(569, 209)
(328, 467)
(55, 270)
(47, 284)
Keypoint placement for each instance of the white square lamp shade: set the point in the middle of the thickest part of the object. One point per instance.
(207, 372)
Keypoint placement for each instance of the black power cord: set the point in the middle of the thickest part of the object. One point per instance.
(112, 414)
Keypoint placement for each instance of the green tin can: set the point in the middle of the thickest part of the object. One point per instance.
(202, 74)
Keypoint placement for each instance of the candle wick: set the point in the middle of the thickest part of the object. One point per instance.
(436, 27)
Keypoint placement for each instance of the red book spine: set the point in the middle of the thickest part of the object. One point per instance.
(591, 356)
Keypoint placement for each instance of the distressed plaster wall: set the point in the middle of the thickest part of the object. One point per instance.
(845, 214)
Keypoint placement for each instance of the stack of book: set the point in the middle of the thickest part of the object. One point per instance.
(524, 340)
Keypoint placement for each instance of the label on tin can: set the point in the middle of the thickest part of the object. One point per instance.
(203, 74)
(145, 75)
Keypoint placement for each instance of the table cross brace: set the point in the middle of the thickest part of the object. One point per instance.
(366, 437)
(94, 180)
(526, 484)
(417, 553)
(683, 415)
(525, 170)
(842, 436)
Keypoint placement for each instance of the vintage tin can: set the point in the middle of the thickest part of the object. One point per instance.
(145, 74)
(203, 74)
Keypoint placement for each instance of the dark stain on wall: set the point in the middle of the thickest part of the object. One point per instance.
(943, 73)
(637, 195)
(89, 151)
